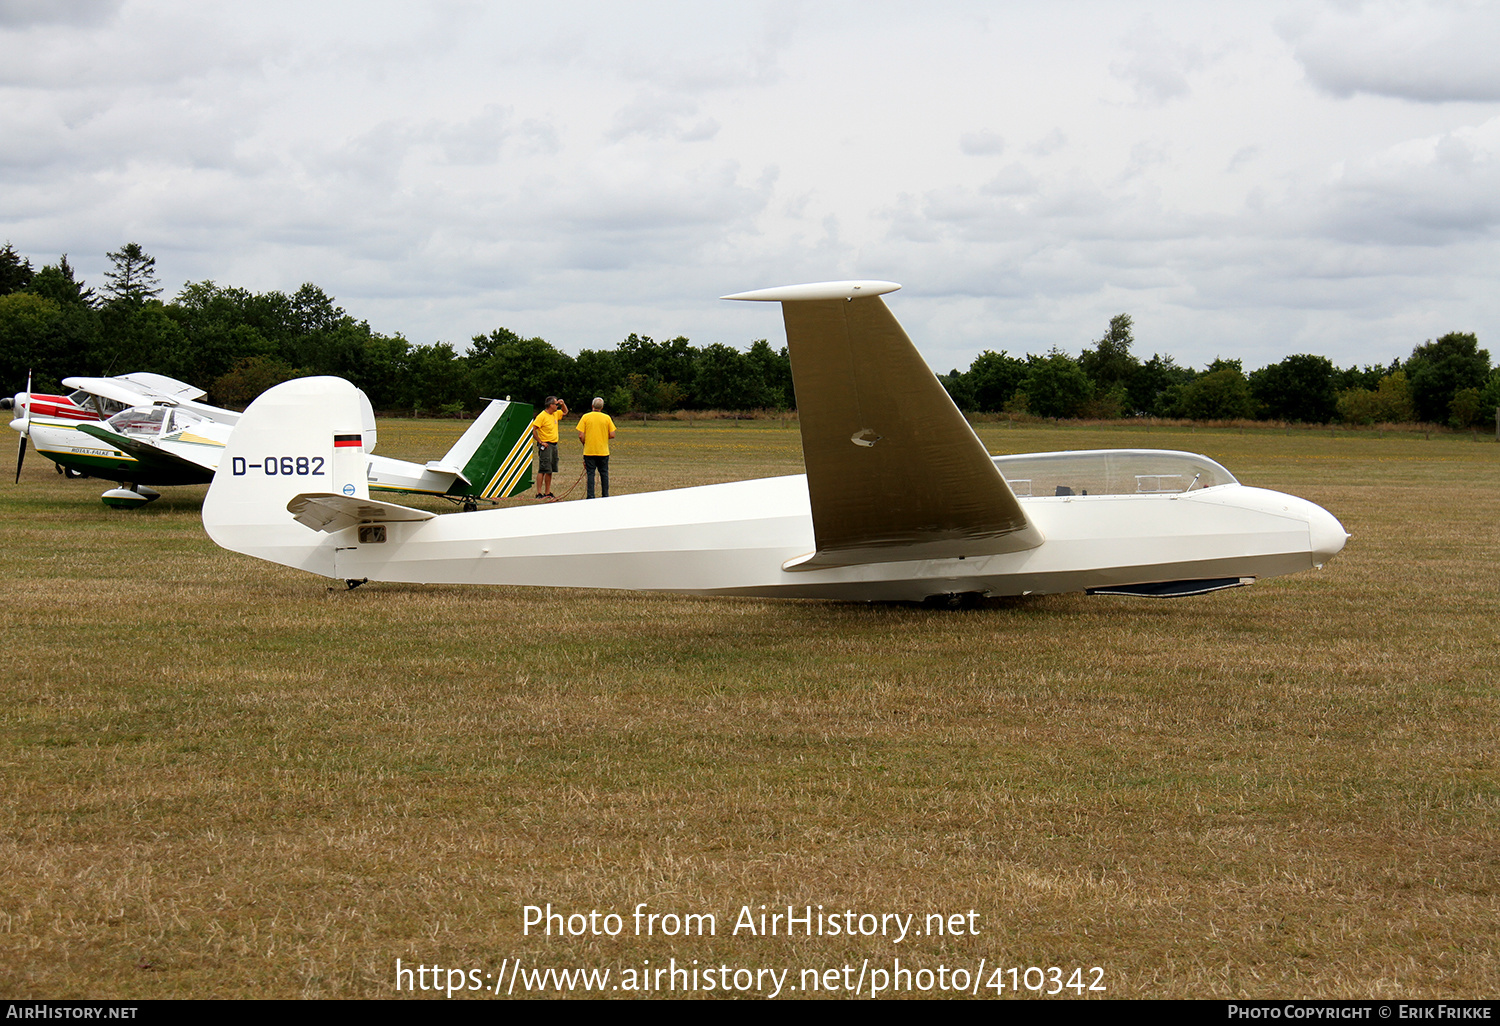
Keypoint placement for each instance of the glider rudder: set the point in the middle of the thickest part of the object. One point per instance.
(302, 436)
(495, 453)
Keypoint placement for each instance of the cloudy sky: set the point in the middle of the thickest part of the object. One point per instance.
(1245, 179)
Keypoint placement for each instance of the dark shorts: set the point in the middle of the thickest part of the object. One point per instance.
(546, 457)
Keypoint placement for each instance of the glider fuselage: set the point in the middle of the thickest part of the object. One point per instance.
(734, 539)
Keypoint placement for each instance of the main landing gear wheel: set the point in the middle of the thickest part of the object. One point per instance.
(129, 498)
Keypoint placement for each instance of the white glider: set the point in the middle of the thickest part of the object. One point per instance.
(900, 501)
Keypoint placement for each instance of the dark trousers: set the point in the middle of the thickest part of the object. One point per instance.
(601, 464)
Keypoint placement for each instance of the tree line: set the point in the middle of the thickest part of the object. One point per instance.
(236, 344)
(1445, 381)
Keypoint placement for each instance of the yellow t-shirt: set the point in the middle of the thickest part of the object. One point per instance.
(596, 428)
(546, 425)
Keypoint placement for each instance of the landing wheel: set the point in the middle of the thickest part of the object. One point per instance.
(126, 497)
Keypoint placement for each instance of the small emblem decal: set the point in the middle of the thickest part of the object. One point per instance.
(348, 489)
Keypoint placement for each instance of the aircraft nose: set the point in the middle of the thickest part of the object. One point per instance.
(1326, 534)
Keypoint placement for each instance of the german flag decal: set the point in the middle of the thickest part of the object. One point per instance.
(348, 442)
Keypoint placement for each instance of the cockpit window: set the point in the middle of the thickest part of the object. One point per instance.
(1110, 472)
(138, 420)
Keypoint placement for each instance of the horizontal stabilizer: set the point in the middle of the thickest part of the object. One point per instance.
(325, 511)
(439, 467)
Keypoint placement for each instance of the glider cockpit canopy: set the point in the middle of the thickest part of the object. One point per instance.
(1110, 472)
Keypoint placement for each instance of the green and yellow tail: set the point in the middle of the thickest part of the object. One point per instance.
(495, 453)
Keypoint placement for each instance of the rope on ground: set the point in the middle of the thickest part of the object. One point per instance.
(572, 486)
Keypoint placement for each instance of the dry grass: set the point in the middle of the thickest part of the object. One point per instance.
(224, 780)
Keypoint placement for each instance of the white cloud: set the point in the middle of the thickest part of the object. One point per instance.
(1425, 52)
(1156, 66)
(26, 13)
(981, 144)
(1422, 192)
(660, 116)
(1240, 184)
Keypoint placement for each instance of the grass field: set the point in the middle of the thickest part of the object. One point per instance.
(223, 779)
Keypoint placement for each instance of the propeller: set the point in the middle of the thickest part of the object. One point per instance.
(25, 430)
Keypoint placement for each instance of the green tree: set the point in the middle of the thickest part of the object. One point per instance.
(526, 369)
(1109, 363)
(1367, 376)
(595, 372)
(993, 378)
(1387, 403)
(1440, 370)
(1464, 410)
(724, 379)
(1107, 404)
(775, 370)
(437, 378)
(1489, 396)
(1299, 388)
(384, 363)
(15, 271)
(248, 379)
(313, 310)
(31, 341)
(1157, 385)
(671, 362)
(221, 327)
(58, 283)
(956, 384)
(1221, 393)
(137, 337)
(67, 342)
(133, 277)
(1056, 386)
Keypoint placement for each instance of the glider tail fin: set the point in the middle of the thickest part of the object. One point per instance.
(302, 436)
(494, 453)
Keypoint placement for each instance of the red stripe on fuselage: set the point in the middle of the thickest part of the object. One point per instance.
(61, 407)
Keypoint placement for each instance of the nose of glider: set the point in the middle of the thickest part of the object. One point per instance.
(1326, 534)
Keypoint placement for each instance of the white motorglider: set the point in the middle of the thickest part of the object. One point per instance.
(900, 502)
(146, 429)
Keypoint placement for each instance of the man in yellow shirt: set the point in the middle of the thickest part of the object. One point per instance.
(544, 433)
(595, 429)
